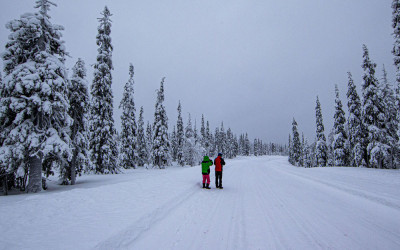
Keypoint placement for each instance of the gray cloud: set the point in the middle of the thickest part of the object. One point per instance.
(252, 64)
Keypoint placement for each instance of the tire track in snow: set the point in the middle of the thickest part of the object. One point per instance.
(279, 215)
(288, 217)
(283, 196)
(236, 232)
(338, 227)
(223, 220)
(198, 222)
(126, 238)
(359, 193)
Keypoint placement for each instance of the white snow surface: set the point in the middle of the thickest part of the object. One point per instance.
(265, 204)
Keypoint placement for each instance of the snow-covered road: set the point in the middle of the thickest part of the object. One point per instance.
(265, 204)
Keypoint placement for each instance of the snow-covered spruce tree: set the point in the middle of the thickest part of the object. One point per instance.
(217, 141)
(161, 145)
(229, 144)
(266, 148)
(356, 129)
(329, 147)
(172, 139)
(149, 143)
(210, 141)
(141, 141)
(397, 145)
(389, 97)
(246, 145)
(340, 154)
(236, 146)
(206, 141)
(320, 146)
(241, 144)
(296, 145)
(195, 134)
(397, 102)
(222, 138)
(128, 122)
(307, 159)
(180, 137)
(391, 122)
(270, 149)
(189, 153)
(373, 115)
(34, 116)
(396, 54)
(78, 110)
(255, 145)
(201, 151)
(104, 151)
(396, 35)
(302, 145)
(290, 150)
(203, 136)
(261, 147)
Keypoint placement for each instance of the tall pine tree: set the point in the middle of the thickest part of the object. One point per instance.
(210, 141)
(222, 138)
(340, 152)
(34, 116)
(396, 54)
(290, 150)
(104, 151)
(396, 35)
(203, 136)
(149, 144)
(217, 140)
(320, 146)
(373, 114)
(296, 145)
(141, 141)
(397, 105)
(189, 153)
(128, 120)
(356, 128)
(79, 109)
(229, 144)
(161, 155)
(391, 122)
(180, 137)
(307, 155)
(246, 145)
(173, 141)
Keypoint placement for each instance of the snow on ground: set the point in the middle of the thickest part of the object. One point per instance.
(265, 204)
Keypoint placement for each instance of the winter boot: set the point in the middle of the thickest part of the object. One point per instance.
(204, 185)
(208, 186)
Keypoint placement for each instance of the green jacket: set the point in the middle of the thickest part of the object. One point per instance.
(205, 165)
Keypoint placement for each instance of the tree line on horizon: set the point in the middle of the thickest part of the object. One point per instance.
(53, 123)
(370, 137)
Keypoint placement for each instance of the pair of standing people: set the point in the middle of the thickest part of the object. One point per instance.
(205, 166)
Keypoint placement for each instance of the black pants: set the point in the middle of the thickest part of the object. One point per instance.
(218, 178)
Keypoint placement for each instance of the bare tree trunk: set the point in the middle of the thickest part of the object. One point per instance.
(35, 175)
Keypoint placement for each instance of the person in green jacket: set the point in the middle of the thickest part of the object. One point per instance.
(205, 170)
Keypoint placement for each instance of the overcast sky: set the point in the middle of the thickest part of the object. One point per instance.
(252, 64)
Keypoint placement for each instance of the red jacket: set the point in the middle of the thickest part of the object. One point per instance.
(219, 162)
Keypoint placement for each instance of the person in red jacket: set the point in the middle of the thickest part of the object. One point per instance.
(219, 163)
